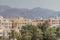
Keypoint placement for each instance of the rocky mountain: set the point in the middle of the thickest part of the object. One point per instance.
(27, 13)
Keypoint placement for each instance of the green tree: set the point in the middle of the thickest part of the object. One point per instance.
(26, 32)
(17, 35)
(37, 33)
(11, 34)
(43, 28)
(30, 32)
(48, 33)
(58, 32)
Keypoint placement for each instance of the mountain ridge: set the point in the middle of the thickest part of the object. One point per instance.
(27, 13)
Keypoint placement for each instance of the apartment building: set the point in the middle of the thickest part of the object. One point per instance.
(38, 20)
(21, 21)
(5, 25)
(54, 21)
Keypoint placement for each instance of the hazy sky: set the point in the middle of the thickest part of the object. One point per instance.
(49, 4)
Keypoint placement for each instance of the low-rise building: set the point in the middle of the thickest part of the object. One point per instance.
(37, 21)
(54, 21)
(5, 24)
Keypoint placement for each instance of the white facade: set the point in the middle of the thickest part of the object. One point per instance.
(5, 25)
(55, 21)
(1, 32)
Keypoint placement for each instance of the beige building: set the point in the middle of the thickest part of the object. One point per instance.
(19, 22)
(54, 21)
(37, 21)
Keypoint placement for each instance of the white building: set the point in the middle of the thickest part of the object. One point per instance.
(5, 25)
(54, 21)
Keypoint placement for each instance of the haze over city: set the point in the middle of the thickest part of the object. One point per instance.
(48, 4)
